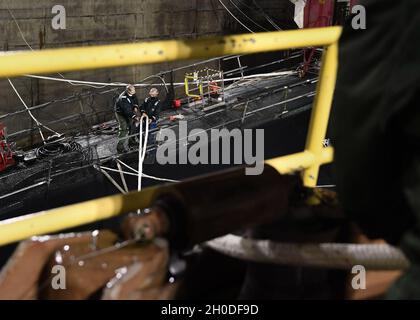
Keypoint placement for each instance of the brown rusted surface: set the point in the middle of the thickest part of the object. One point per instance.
(89, 269)
(19, 277)
(146, 226)
(91, 261)
(143, 280)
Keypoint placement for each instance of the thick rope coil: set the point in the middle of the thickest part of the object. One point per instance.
(325, 255)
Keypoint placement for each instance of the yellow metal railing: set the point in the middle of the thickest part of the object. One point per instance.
(198, 78)
(60, 60)
(187, 87)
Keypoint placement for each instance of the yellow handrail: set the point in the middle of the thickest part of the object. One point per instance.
(187, 88)
(118, 55)
(315, 155)
(72, 59)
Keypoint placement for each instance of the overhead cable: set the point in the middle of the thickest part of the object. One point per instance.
(246, 16)
(239, 21)
(39, 124)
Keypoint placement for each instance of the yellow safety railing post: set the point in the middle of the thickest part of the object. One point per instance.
(320, 113)
(187, 86)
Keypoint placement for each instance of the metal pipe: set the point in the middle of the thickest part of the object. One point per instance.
(321, 112)
(109, 56)
(231, 72)
(300, 161)
(20, 228)
(23, 189)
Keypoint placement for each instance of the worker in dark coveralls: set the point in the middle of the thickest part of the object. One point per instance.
(152, 107)
(126, 108)
(376, 126)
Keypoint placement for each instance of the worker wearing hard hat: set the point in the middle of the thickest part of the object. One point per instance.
(126, 107)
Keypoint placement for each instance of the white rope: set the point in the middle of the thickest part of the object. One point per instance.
(127, 166)
(23, 189)
(39, 124)
(142, 147)
(122, 177)
(111, 179)
(142, 154)
(98, 84)
(267, 17)
(121, 84)
(326, 255)
(20, 30)
(243, 25)
(136, 174)
(159, 179)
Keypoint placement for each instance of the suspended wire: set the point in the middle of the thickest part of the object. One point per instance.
(164, 84)
(89, 94)
(135, 173)
(30, 47)
(23, 189)
(262, 12)
(234, 17)
(144, 175)
(142, 147)
(246, 16)
(110, 179)
(94, 84)
(91, 84)
(122, 177)
(63, 100)
(100, 85)
(20, 30)
(72, 82)
(267, 17)
(39, 124)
